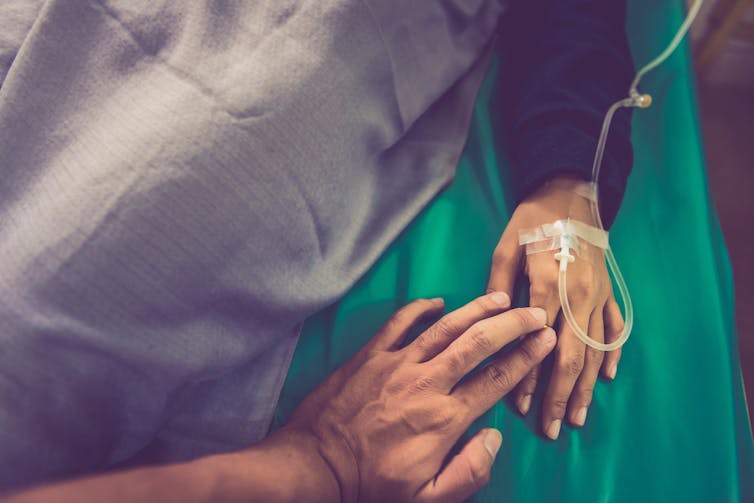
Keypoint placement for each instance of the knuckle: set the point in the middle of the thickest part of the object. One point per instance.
(618, 326)
(479, 474)
(400, 317)
(531, 377)
(570, 364)
(548, 280)
(403, 312)
(453, 364)
(372, 356)
(380, 363)
(480, 340)
(393, 325)
(408, 312)
(445, 327)
(500, 377)
(584, 286)
(485, 305)
(388, 475)
(539, 293)
(559, 406)
(419, 305)
(586, 393)
(374, 364)
(441, 420)
(521, 318)
(528, 384)
(530, 351)
(589, 274)
(422, 384)
(594, 357)
(502, 256)
(480, 303)
(524, 390)
(421, 420)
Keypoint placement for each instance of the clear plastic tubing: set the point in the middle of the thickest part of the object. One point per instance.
(636, 100)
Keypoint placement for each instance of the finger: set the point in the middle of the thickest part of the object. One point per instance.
(483, 339)
(581, 399)
(485, 388)
(388, 338)
(614, 325)
(542, 293)
(525, 390)
(394, 332)
(569, 362)
(543, 278)
(449, 327)
(466, 473)
(506, 260)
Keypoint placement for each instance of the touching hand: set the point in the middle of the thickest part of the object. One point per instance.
(386, 421)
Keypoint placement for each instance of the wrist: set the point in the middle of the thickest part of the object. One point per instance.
(563, 197)
(570, 184)
(312, 475)
(285, 467)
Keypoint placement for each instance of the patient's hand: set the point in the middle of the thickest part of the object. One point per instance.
(386, 421)
(590, 293)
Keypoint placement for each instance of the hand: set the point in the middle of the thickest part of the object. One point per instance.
(385, 422)
(380, 428)
(591, 297)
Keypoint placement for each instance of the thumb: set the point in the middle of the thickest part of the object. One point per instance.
(467, 472)
(505, 264)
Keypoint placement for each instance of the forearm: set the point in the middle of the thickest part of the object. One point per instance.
(570, 61)
(281, 469)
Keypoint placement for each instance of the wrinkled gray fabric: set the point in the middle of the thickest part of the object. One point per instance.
(16, 18)
(182, 184)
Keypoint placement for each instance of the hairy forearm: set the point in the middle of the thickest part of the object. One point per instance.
(282, 469)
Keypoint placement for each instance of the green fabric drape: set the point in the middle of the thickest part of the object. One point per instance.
(673, 426)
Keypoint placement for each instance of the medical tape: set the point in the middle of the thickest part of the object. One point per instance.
(587, 191)
(562, 234)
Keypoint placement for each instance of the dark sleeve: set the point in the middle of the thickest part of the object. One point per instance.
(567, 62)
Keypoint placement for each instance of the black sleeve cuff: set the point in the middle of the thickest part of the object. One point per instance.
(554, 146)
(568, 61)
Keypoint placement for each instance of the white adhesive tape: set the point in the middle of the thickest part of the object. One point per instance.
(562, 233)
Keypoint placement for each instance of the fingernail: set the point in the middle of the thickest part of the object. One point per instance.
(492, 442)
(539, 314)
(554, 429)
(612, 370)
(501, 298)
(524, 404)
(580, 417)
(437, 300)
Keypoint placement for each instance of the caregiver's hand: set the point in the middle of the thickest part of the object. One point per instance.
(380, 428)
(590, 292)
(386, 421)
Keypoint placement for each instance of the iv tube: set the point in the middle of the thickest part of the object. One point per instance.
(637, 100)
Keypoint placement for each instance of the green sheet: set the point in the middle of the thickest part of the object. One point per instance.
(673, 427)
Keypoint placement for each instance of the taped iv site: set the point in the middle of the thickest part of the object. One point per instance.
(567, 233)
